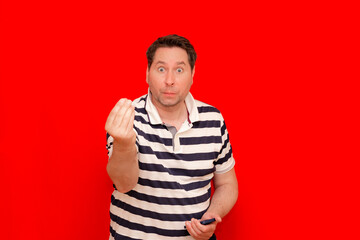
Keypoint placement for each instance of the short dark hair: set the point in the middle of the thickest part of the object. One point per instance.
(172, 41)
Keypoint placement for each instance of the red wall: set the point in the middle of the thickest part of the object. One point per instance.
(65, 64)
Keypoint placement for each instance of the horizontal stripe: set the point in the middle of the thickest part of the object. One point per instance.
(140, 110)
(172, 185)
(173, 193)
(156, 215)
(158, 130)
(147, 221)
(141, 120)
(166, 209)
(175, 171)
(207, 124)
(181, 180)
(143, 235)
(170, 200)
(204, 109)
(154, 138)
(185, 149)
(179, 156)
(176, 163)
(148, 229)
(200, 132)
(117, 236)
(200, 140)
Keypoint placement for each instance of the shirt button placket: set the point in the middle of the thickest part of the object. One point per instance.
(176, 143)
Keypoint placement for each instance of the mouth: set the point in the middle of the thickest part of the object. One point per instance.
(169, 93)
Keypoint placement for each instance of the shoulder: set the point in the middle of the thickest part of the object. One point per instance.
(206, 110)
(204, 107)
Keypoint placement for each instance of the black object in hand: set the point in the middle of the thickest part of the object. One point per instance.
(206, 222)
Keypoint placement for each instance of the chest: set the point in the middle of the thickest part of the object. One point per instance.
(187, 152)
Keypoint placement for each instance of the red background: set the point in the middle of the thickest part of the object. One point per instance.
(284, 77)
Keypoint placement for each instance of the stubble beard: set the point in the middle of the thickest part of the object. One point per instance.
(169, 103)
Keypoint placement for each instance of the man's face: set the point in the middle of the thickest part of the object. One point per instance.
(169, 77)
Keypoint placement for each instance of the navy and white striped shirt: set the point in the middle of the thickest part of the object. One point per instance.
(175, 176)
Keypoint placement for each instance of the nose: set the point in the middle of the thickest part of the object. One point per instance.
(170, 79)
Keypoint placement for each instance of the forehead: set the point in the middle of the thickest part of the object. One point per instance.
(171, 55)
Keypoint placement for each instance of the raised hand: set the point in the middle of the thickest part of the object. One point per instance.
(119, 124)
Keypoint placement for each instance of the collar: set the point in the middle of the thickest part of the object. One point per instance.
(154, 117)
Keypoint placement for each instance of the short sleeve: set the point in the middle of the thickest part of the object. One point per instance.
(110, 140)
(225, 161)
(109, 144)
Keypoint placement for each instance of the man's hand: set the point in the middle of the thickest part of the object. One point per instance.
(202, 232)
(120, 125)
(123, 167)
(223, 199)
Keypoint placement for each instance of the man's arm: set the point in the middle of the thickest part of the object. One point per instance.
(222, 201)
(225, 194)
(123, 167)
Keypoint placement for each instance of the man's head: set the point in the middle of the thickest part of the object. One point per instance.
(170, 71)
(172, 41)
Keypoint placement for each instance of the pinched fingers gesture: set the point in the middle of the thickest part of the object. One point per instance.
(120, 121)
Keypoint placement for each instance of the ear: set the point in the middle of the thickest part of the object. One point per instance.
(193, 72)
(147, 75)
(192, 75)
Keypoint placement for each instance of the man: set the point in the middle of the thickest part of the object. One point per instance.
(164, 149)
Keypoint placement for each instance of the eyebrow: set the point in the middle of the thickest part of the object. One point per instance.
(159, 62)
(178, 63)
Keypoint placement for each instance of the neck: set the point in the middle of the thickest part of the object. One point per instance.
(174, 115)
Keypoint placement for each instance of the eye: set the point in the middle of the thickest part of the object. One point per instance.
(161, 69)
(179, 70)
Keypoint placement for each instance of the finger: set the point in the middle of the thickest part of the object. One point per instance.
(204, 231)
(196, 226)
(190, 229)
(130, 124)
(113, 113)
(126, 121)
(120, 114)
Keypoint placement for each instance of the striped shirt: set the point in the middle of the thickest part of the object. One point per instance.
(175, 176)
